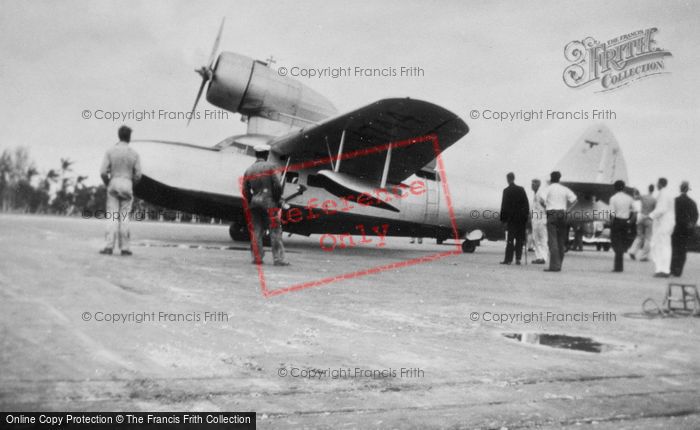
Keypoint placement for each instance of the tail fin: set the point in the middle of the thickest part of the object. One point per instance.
(593, 164)
(595, 158)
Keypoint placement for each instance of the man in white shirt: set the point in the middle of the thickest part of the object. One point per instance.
(621, 209)
(664, 218)
(642, 244)
(538, 221)
(557, 200)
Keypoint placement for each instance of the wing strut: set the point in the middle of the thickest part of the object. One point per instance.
(387, 162)
(330, 155)
(340, 152)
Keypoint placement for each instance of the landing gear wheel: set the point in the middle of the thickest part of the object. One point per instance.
(239, 232)
(468, 247)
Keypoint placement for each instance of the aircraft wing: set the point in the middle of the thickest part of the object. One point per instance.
(600, 191)
(588, 189)
(375, 126)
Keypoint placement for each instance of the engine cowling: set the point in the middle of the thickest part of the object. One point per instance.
(249, 87)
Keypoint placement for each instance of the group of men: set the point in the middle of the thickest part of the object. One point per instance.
(548, 220)
(664, 226)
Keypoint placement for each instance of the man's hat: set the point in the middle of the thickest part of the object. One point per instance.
(263, 147)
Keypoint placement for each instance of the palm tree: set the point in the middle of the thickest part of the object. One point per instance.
(65, 165)
(50, 178)
(65, 168)
(25, 193)
(45, 189)
(31, 172)
(62, 202)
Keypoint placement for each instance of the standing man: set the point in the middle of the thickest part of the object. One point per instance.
(642, 242)
(621, 209)
(539, 224)
(263, 193)
(557, 200)
(514, 212)
(686, 218)
(577, 244)
(664, 218)
(121, 169)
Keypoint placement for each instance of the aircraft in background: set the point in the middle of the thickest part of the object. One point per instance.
(306, 133)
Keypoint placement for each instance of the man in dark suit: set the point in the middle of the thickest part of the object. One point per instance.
(686, 218)
(515, 210)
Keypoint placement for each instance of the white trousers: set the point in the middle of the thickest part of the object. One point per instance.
(539, 236)
(661, 251)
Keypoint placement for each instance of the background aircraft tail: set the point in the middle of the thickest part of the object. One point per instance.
(593, 164)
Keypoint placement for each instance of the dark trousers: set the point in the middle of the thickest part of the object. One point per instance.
(260, 218)
(578, 238)
(515, 241)
(679, 249)
(557, 232)
(619, 239)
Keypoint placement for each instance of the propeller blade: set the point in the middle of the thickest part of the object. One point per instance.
(199, 94)
(206, 72)
(212, 57)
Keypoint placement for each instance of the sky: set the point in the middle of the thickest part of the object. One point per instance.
(62, 58)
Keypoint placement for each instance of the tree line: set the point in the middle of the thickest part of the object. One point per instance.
(60, 191)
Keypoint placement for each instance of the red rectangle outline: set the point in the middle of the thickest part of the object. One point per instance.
(351, 275)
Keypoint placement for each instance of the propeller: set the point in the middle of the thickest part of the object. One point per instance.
(207, 72)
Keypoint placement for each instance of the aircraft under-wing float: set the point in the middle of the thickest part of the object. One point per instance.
(302, 127)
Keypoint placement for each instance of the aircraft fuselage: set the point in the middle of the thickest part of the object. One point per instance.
(208, 184)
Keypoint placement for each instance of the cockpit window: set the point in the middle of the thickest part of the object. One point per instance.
(430, 175)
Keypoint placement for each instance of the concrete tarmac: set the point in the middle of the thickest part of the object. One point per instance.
(183, 326)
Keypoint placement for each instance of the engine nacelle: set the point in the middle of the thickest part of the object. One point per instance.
(249, 87)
